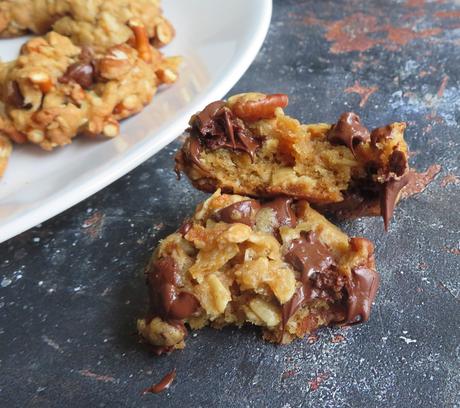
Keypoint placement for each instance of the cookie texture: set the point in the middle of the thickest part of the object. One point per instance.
(247, 145)
(277, 264)
(99, 23)
(56, 90)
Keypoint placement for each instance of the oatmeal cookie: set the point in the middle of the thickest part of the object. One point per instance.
(98, 23)
(247, 145)
(276, 264)
(5, 152)
(56, 90)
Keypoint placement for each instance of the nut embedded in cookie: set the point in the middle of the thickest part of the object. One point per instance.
(247, 145)
(56, 90)
(277, 264)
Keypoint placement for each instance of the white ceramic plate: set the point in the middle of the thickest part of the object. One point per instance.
(218, 40)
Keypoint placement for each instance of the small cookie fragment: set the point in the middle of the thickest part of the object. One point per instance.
(247, 145)
(277, 264)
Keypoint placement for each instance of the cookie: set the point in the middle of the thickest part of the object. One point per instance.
(5, 152)
(248, 146)
(56, 90)
(277, 264)
(100, 24)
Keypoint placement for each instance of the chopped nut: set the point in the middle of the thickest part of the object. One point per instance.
(141, 38)
(267, 312)
(36, 136)
(164, 32)
(111, 128)
(42, 80)
(166, 76)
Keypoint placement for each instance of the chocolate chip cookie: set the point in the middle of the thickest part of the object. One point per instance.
(277, 264)
(56, 90)
(247, 145)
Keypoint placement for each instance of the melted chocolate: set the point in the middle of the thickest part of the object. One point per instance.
(216, 126)
(283, 211)
(398, 163)
(164, 384)
(361, 288)
(166, 299)
(348, 131)
(308, 255)
(389, 195)
(380, 134)
(318, 276)
(243, 212)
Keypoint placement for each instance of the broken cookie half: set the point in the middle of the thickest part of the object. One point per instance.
(247, 145)
(277, 264)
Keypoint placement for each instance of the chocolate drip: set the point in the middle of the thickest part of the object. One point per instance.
(380, 134)
(243, 212)
(216, 126)
(348, 131)
(283, 211)
(166, 299)
(164, 383)
(361, 288)
(389, 195)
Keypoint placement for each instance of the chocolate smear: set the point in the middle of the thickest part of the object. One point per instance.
(163, 385)
(166, 298)
(243, 212)
(216, 126)
(348, 131)
(418, 182)
(284, 214)
(362, 288)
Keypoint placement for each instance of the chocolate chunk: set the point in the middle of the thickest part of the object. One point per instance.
(217, 127)
(185, 227)
(389, 195)
(308, 255)
(167, 301)
(243, 211)
(348, 131)
(14, 96)
(380, 134)
(164, 384)
(319, 278)
(362, 288)
(283, 211)
(81, 72)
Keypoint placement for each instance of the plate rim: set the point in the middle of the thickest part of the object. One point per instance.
(58, 203)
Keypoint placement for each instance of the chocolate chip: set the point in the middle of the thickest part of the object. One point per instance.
(14, 96)
(243, 212)
(185, 227)
(80, 72)
(348, 131)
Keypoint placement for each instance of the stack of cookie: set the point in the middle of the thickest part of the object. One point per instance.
(97, 63)
(259, 249)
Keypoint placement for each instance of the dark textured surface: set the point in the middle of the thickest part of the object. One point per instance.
(71, 289)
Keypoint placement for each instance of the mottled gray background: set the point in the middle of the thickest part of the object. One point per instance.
(72, 288)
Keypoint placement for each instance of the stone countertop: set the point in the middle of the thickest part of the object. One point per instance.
(72, 288)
